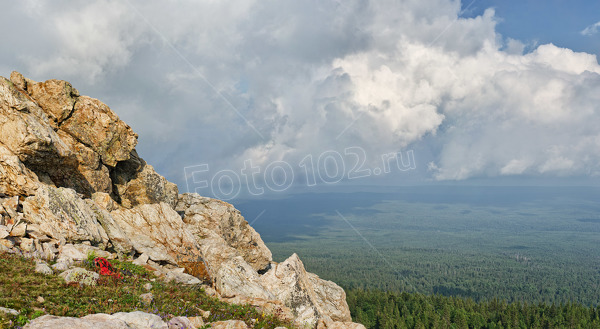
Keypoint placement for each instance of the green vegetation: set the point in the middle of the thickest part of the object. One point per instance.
(21, 287)
(379, 310)
(439, 259)
(518, 253)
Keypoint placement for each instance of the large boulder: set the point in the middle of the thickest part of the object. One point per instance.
(158, 231)
(308, 296)
(206, 214)
(230, 273)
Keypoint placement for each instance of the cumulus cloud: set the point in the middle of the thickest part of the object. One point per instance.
(197, 79)
(591, 30)
(88, 38)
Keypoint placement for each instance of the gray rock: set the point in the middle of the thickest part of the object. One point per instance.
(8, 242)
(61, 265)
(182, 322)
(68, 251)
(206, 214)
(229, 324)
(147, 298)
(141, 320)
(309, 297)
(182, 278)
(142, 260)
(93, 321)
(18, 230)
(9, 311)
(43, 268)
(158, 231)
(81, 276)
(4, 248)
(137, 183)
(27, 245)
(49, 251)
(148, 286)
(60, 213)
(3, 232)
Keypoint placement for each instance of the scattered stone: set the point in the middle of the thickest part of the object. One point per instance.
(34, 232)
(147, 298)
(142, 260)
(49, 251)
(327, 323)
(40, 299)
(69, 251)
(18, 230)
(148, 286)
(182, 278)
(27, 245)
(9, 206)
(3, 248)
(87, 249)
(230, 324)
(141, 320)
(7, 242)
(205, 314)
(93, 321)
(196, 321)
(43, 268)
(62, 265)
(210, 291)
(80, 276)
(9, 311)
(3, 232)
(182, 322)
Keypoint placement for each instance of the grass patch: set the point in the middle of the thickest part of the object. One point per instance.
(20, 288)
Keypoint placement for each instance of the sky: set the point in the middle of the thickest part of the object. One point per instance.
(233, 97)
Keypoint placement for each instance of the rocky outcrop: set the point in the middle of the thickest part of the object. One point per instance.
(308, 296)
(136, 183)
(157, 231)
(72, 183)
(206, 215)
(60, 213)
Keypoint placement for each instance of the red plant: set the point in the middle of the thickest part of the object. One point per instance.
(106, 268)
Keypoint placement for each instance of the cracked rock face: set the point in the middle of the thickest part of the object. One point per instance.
(71, 179)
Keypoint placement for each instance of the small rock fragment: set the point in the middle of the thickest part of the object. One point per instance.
(43, 268)
(147, 298)
(81, 276)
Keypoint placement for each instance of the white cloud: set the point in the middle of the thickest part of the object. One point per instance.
(325, 75)
(90, 38)
(591, 30)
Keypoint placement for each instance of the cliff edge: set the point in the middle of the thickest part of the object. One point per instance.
(71, 180)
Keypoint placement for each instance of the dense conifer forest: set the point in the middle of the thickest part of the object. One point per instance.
(389, 310)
